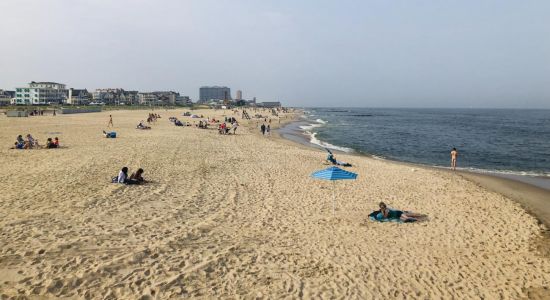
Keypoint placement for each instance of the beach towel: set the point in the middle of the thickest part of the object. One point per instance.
(379, 217)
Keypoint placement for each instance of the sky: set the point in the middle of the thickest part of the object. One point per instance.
(490, 54)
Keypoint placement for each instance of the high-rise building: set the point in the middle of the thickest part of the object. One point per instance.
(239, 95)
(41, 93)
(207, 93)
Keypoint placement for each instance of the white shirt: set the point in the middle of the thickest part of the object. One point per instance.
(121, 177)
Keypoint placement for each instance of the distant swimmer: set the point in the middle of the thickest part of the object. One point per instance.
(454, 154)
(110, 121)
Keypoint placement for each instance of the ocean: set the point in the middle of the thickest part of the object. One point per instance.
(500, 141)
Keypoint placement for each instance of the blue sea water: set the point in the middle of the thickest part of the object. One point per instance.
(499, 140)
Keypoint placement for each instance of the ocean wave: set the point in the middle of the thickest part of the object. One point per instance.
(314, 140)
(309, 127)
(508, 172)
(321, 121)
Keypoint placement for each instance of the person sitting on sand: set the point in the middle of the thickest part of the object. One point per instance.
(56, 142)
(386, 213)
(31, 141)
(122, 175)
(18, 146)
(137, 177)
(50, 144)
(178, 123)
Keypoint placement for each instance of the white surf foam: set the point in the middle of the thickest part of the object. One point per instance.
(316, 141)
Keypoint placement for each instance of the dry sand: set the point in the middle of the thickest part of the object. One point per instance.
(240, 217)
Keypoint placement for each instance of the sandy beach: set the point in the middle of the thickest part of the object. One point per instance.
(239, 216)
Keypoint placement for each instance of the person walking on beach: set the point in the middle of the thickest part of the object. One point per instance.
(268, 130)
(262, 128)
(110, 124)
(454, 155)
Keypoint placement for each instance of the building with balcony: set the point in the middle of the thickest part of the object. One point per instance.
(78, 97)
(109, 96)
(41, 93)
(158, 98)
(6, 97)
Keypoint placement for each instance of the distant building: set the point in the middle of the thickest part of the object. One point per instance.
(6, 97)
(109, 96)
(208, 93)
(41, 93)
(158, 98)
(270, 104)
(78, 97)
(130, 97)
(183, 100)
(239, 95)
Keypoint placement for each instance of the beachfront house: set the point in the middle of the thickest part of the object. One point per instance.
(109, 96)
(158, 98)
(41, 93)
(78, 97)
(6, 97)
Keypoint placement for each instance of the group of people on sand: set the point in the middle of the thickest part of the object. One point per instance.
(223, 128)
(152, 117)
(265, 130)
(203, 125)
(135, 178)
(31, 143)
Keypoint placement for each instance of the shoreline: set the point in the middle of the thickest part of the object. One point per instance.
(533, 197)
(225, 216)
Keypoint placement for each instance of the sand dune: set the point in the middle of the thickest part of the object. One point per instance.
(239, 217)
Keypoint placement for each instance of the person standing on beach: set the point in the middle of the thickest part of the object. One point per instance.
(268, 129)
(110, 124)
(454, 155)
(262, 128)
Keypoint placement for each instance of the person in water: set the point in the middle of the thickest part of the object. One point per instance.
(405, 216)
(454, 155)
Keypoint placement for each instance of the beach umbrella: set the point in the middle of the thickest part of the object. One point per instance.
(333, 174)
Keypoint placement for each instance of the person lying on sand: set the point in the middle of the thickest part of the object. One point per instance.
(142, 126)
(387, 214)
(332, 160)
(109, 134)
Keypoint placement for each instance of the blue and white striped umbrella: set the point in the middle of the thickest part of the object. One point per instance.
(333, 174)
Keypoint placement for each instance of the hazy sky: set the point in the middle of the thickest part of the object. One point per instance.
(304, 53)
